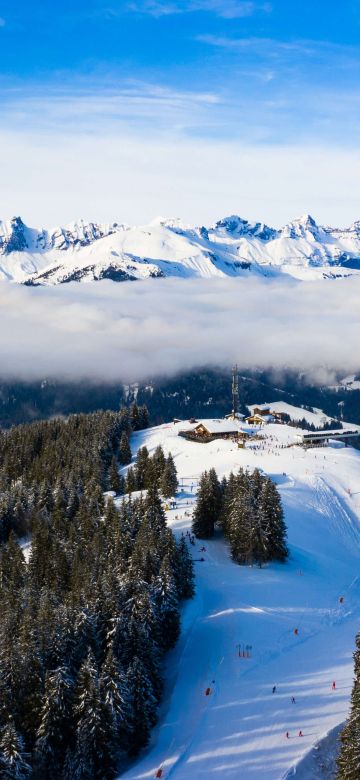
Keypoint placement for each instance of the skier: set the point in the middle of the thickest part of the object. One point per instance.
(293, 700)
(274, 688)
(334, 686)
(287, 735)
(300, 733)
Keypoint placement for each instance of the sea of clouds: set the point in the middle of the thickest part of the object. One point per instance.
(135, 330)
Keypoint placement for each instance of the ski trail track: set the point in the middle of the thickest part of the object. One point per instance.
(239, 730)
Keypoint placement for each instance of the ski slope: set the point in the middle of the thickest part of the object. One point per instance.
(238, 731)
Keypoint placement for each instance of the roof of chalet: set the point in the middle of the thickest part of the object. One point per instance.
(262, 407)
(261, 417)
(220, 426)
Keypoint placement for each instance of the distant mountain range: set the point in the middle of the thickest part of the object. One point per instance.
(87, 251)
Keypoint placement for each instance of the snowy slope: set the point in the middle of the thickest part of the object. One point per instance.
(350, 383)
(84, 251)
(296, 413)
(239, 730)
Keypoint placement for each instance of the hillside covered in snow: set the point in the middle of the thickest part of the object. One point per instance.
(268, 643)
(85, 251)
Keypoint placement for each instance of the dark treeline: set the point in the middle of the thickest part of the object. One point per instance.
(85, 623)
(349, 757)
(330, 425)
(55, 460)
(248, 508)
(201, 393)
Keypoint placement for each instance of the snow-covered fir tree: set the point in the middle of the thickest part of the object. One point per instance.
(13, 759)
(348, 761)
(55, 729)
(168, 482)
(125, 455)
(208, 505)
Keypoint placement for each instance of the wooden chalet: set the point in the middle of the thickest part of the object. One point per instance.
(217, 429)
(263, 410)
(260, 419)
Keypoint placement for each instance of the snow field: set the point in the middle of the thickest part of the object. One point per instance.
(238, 731)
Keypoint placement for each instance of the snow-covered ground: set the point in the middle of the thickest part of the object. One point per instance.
(238, 731)
(350, 383)
(297, 413)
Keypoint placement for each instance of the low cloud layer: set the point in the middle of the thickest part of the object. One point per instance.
(133, 331)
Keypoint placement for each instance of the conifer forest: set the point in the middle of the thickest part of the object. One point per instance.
(86, 621)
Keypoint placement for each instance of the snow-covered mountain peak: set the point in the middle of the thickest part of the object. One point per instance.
(355, 227)
(237, 226)
(233, 246)
(302, 227)
(307, 220)
(174, 223)
(13, 235)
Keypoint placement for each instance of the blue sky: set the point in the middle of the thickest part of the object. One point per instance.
(193, 107)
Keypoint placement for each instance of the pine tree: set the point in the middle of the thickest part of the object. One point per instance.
(130, 481)
(154, 513)
(55, 730)
(159, 462)
(93, 757)
(166, 600)
(116, 697)
(143, 417)
(348, 761)
(31, 682)
(141, 468)
(144, 704)
(229, 489)
(135, 417)
(115, 481)
(272, 519)
(241, 528)
(185, 572)
(168, 483)
(125, 455)
(13, 759)
(215, 495)
(203, 517)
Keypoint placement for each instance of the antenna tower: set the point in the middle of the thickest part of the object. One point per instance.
(235, 391)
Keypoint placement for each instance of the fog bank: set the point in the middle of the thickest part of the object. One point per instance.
(135, 330)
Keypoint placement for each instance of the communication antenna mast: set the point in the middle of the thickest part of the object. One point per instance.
(235, 391)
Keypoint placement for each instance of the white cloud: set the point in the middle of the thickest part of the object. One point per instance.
(101, 109)
(228, 9)
(130, 331)
(137, 150)
(52, 179)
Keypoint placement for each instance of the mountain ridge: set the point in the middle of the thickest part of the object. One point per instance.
(232, 246)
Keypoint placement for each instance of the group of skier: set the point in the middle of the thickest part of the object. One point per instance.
(293, 701)
(189, 536)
